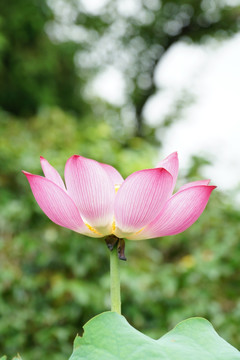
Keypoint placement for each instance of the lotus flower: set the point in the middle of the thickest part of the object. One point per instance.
(97, 201)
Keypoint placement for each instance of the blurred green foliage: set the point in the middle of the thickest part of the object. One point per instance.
(33, 70)
(53, 280)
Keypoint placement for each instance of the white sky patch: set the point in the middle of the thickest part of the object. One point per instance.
(232, 2)
(128, 7)
(211, 126)
(67, 32)
(184, 62)
(64, 12)
(94, 7)
(110, 86)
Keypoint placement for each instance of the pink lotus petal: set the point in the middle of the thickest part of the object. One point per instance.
(92, 191)
(180, 212)
(51, 173)
(171, 164)
(56, 204)
(115, 177)
(140, 198)
(194, 183)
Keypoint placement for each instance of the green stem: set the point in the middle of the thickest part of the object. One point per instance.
(115, 281)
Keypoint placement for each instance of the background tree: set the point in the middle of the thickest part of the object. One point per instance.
(133, 36)
(33, 70)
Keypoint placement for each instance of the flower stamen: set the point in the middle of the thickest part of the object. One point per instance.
(113, 226)
(93, 230)
(117, 186)
(138, 232)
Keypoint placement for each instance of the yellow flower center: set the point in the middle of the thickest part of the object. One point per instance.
(117, 186)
